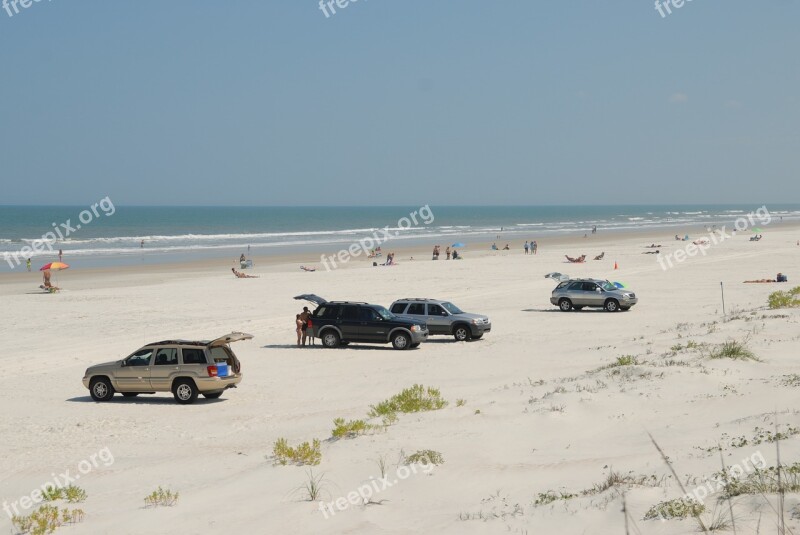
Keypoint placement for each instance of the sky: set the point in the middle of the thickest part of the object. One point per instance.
(399, 102)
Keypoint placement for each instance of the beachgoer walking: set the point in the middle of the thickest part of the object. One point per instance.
(142, 244)
(29, 265)
(534, 246)
(526, 247)
(447, 252)
(60, 254)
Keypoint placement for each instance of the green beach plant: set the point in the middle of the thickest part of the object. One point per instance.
(304, 454)
(418, 398)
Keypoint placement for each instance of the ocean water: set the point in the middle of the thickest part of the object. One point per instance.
(115, 236)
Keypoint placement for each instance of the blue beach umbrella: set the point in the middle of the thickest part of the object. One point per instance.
(458, 244)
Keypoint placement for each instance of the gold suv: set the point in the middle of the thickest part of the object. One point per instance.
(182, 367)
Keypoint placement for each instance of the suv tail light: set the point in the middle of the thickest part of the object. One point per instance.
(309, 323)
(212, 371)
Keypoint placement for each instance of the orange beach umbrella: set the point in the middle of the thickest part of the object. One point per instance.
(54, 266)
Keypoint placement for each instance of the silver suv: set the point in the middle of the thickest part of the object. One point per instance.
(443, 317)
(183, 367)
(579, 293)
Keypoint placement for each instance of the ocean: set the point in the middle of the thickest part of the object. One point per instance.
(134, 235)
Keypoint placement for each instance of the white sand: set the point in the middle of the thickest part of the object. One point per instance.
(519, 444)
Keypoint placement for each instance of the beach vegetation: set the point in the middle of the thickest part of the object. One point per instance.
(461, 402)
(304, 454)
(425, 457)
(764, 481)
(314, 486)
(46, 519)
(679, 508)
(418, 398)
(350, 429)
(161, 497)
(546, 498)
(787, 299)
(733, 349)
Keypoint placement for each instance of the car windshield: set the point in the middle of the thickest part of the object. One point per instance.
(608, 286)
(452, 309)
(385, 314)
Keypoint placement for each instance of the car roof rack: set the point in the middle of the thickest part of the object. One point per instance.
(418, 299)
(346, 303)
(181, 342)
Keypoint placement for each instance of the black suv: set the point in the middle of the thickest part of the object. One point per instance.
(338, 323)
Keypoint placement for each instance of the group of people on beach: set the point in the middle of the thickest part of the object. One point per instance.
(533, 247)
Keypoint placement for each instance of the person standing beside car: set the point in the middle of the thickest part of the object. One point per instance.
(304, 315)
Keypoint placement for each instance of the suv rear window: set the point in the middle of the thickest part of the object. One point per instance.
(398, 308)
(193, 356)
(349, 313)
(327, 312)
(418, 309)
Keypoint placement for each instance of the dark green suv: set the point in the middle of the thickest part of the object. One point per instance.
(338, 323)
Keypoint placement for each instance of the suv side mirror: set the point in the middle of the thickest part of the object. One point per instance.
(124, 363)
(599, 290)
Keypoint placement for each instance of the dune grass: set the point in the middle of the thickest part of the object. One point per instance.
(733, 349)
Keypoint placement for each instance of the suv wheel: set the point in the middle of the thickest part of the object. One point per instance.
(101, 390)
(565, 305)
(401, 341)
(330, 339)
(612, 305)
(461, 333)
(185, 391)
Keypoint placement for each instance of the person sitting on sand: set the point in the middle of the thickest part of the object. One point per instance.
(389, 260)
(507, 248)
(600, 256)
(241, 275)
(657, 251)
(494, 247)
(760, 281)
(242, 258)
(455, 255)
(306, 268)
(781, 278)
(677, 238)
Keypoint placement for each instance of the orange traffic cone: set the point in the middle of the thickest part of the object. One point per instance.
(615, 265)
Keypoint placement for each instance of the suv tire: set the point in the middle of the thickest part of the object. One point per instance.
(565, 304)
(101, 390)
(612, 305)
(401, 340)
(330, 339)
(185, 391)
(462, 333)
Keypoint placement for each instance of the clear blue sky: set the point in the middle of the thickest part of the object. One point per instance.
(394, 102)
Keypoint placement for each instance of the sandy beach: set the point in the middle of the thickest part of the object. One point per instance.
(539, 408)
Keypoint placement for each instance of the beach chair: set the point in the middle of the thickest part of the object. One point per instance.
(246, 264)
